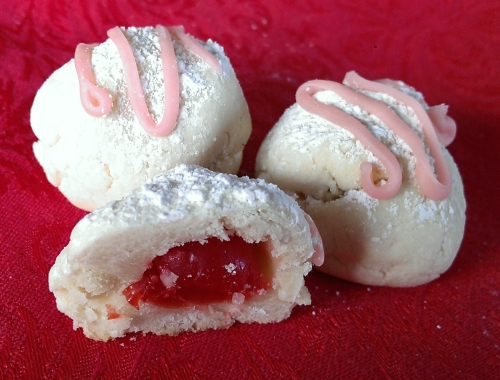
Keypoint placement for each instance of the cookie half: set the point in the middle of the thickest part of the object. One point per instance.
(190, 250)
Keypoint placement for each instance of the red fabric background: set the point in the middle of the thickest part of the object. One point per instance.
(450, 328)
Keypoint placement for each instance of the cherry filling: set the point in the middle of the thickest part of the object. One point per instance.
(204, 273)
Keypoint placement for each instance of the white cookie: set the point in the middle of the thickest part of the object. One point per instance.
(406, 239)
(93, 160)
(112, 247)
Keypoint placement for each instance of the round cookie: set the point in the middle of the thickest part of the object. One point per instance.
(101, 278)
(366, 161)
(134, 106)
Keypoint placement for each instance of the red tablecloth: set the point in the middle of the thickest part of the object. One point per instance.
(450, 328)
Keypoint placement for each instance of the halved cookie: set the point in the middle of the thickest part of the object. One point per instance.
(190, 250)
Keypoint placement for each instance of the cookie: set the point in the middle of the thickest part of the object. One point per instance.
(189, 250)
(367, 161)
(134, 106)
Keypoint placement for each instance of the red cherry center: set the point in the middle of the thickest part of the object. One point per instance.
(198, 273)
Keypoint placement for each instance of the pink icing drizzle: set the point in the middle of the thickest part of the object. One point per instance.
(306, 100)
(318, 257)
(135, 92)
(445, 126)
(195, 47)
(95, 100)
(434, 188)
(98, 101)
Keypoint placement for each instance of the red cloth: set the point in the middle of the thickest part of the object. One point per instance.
(450, 328)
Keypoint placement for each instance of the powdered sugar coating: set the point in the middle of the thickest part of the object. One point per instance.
(403, 241)
(110, 248)
(96, 160)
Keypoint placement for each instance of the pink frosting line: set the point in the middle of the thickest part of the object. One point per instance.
(434, 188)
(135, 92)
(334, 115)
(195, 47)
(318, 257)
(445, 126)
(98, 101)
(95, 100)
